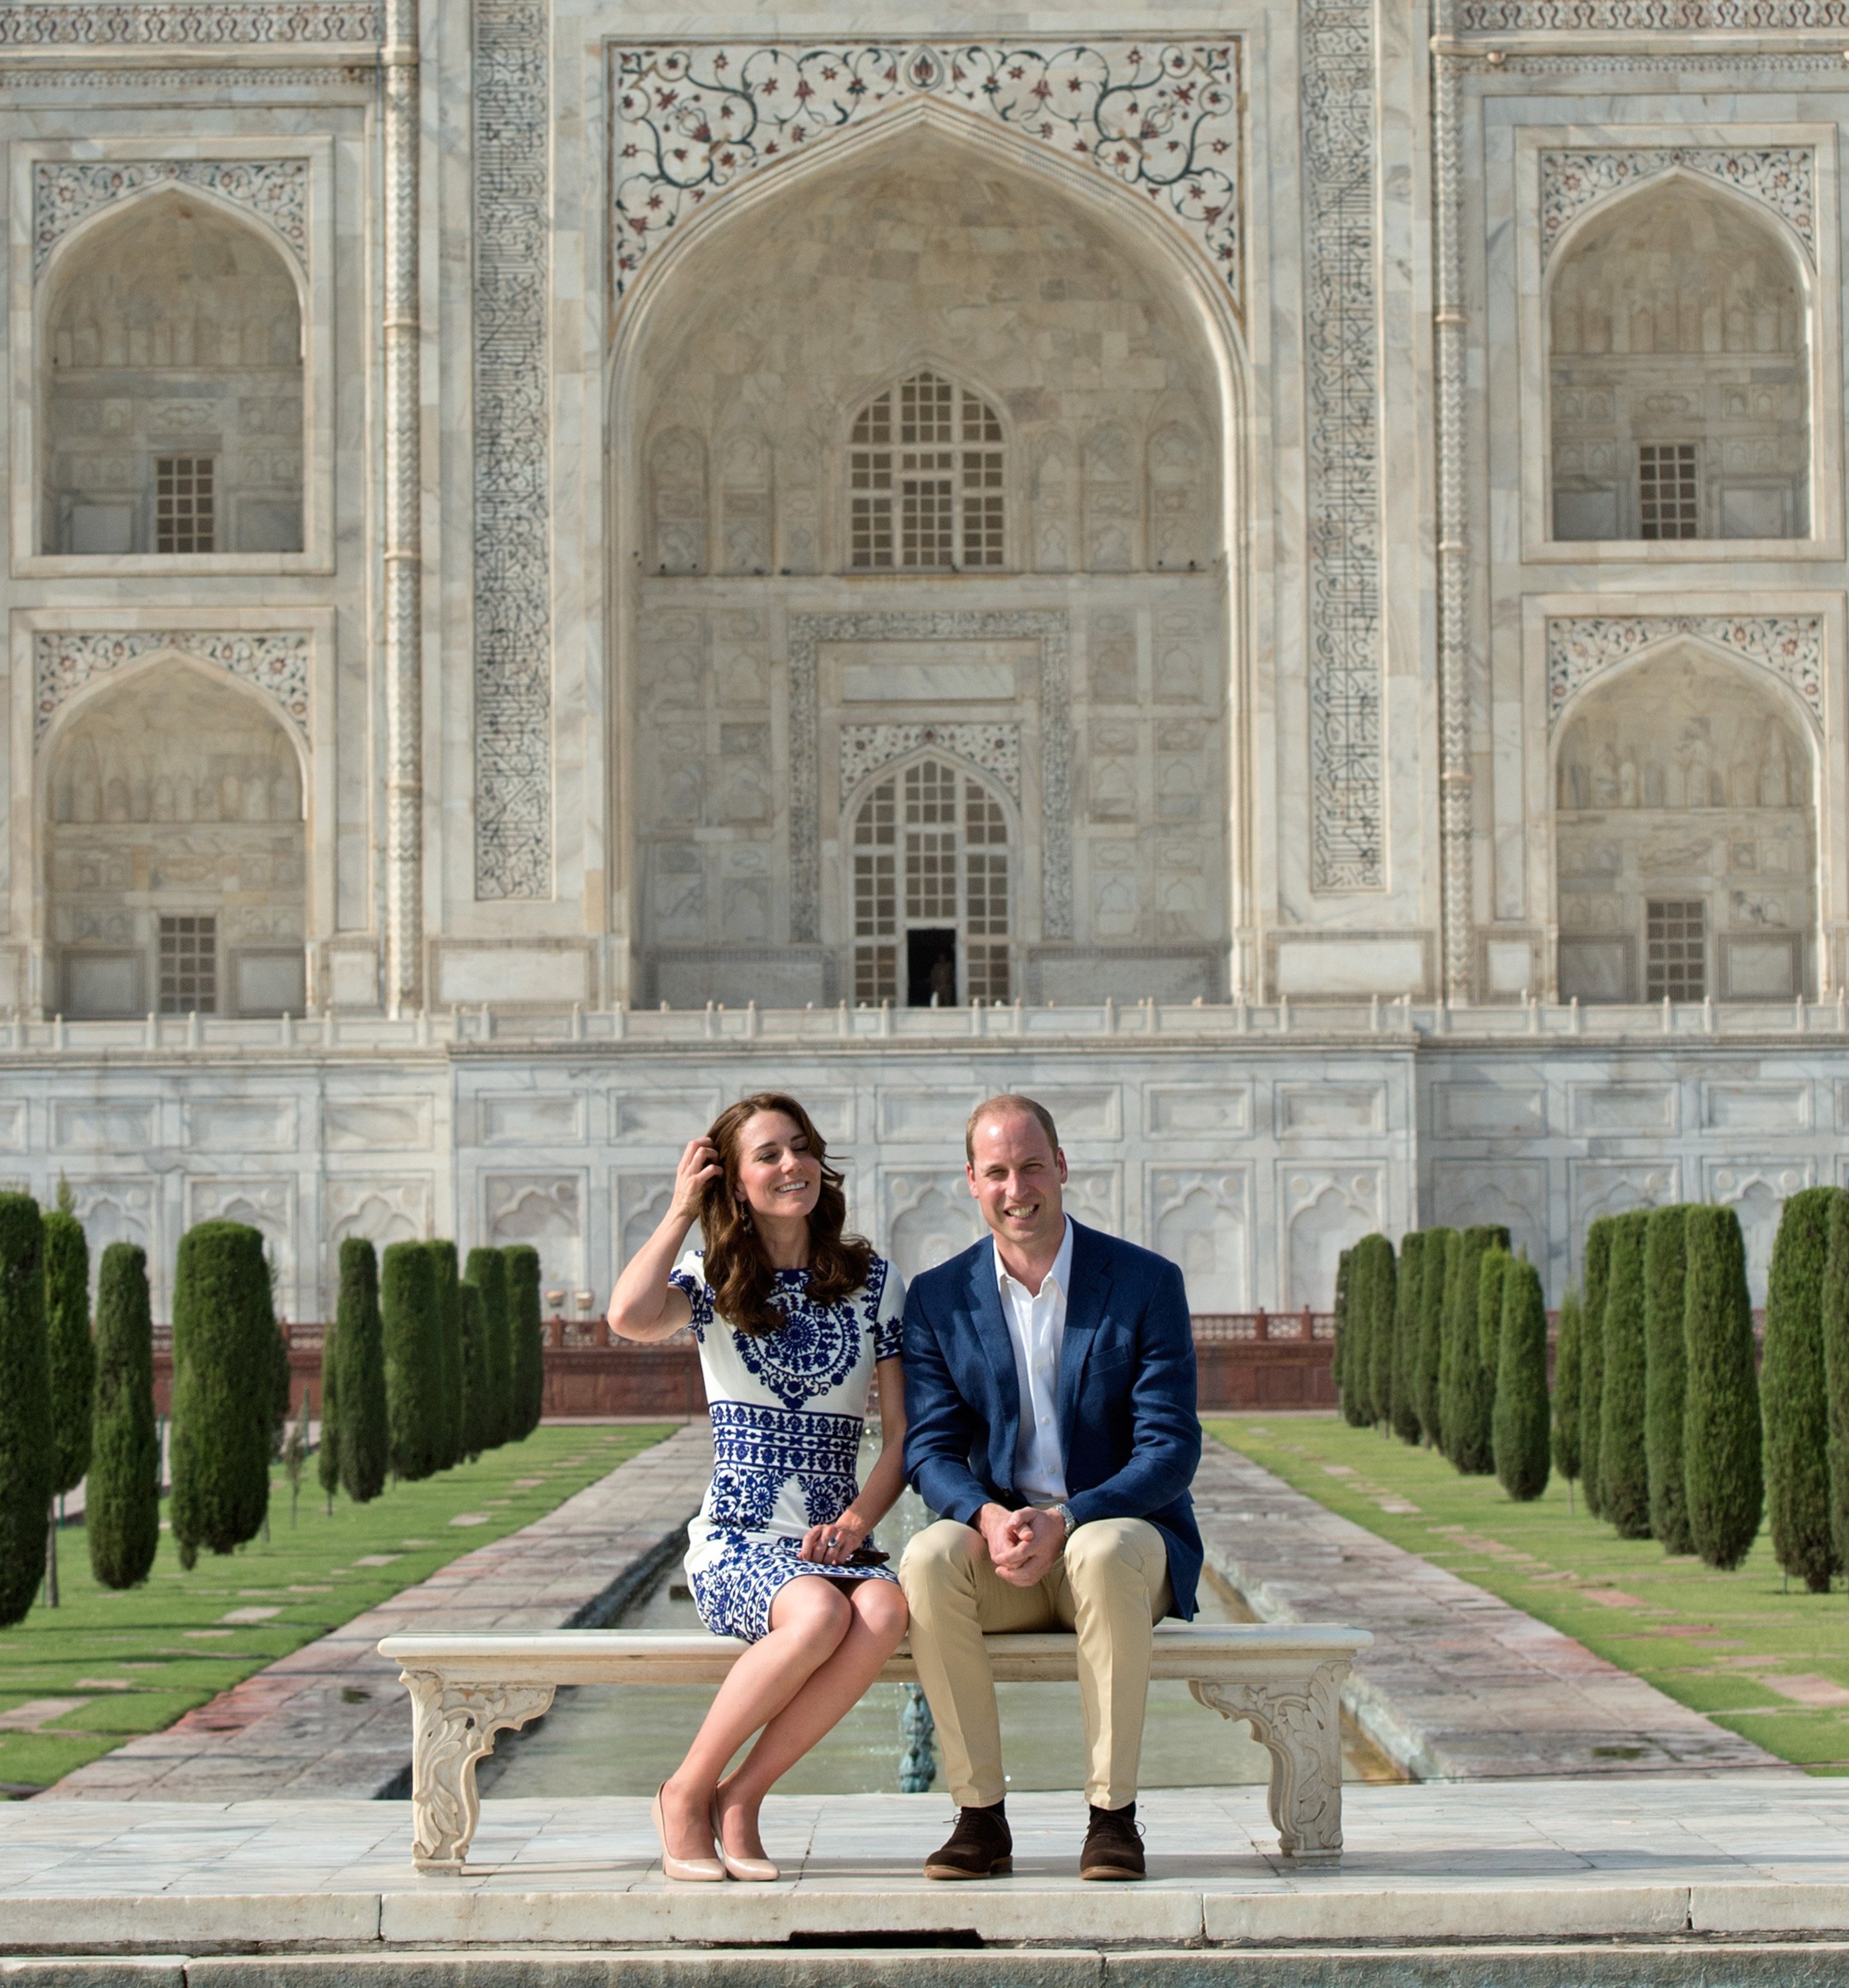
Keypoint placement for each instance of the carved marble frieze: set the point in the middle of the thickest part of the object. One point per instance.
(1581, 647)
(995, 748)
(277, 665)
(1161, 117)
(66, 191)
(1050, 629)
(172, 23)
(1508, 17)
(1342, 531)
(512, 457)
(1780, 177)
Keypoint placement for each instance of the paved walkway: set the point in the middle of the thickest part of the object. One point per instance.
(1655, 1857)
(1458, 1684)
(333, 1720)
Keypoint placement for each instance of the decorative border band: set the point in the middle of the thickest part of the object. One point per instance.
(66, 191)
(278, 665)
(203, 23)
(1581, 646)
(1780, 177)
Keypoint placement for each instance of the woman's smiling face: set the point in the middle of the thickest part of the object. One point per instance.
(777, 1176)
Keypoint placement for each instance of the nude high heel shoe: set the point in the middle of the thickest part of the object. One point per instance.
(684, 1870)
(747, 1870)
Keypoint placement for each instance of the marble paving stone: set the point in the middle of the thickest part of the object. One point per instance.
(290, 1725)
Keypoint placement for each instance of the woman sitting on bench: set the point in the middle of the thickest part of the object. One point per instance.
(793, 1319)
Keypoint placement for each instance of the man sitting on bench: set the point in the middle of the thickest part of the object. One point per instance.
(1049, 1399)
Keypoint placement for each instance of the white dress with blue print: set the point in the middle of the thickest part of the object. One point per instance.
(788, 1407)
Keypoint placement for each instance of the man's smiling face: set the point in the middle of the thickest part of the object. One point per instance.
(1018, 1176)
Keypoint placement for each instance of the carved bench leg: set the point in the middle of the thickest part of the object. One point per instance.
(1302, 1730)
(453, 1725)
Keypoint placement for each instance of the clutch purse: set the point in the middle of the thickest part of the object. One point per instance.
(866, 1556)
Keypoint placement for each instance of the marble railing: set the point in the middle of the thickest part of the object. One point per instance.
(475, 1027)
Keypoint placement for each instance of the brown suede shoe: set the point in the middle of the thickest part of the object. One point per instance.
(1113, 1845)
(980, 1846)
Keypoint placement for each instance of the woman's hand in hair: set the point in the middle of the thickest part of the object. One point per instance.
(698, 1168)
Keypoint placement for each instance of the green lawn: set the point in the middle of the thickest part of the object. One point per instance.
(1759, 1660)
(134, 1661)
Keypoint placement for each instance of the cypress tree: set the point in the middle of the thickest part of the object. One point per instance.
(1721, 1409)
(1371, 1292)
(1478, 1387)
(26, 1449)
(415, 1412)
(1345, 1330)
(122, 1501)
(282, 1388)
(1624, 1464)
(327, 1461)
(1518, 1428)
(365, 1438)
(1440, 1246)
(1794, 1394)
(71, 1362)
(1592, 1357)
(449, 1338)
(475, 1370)
(1406, 1337)
(1836, 1371)
(526, 1331)
(224, 1388)
(1464, 1405)
(1566, 1391)
(1666, 1364)
(488, 1272)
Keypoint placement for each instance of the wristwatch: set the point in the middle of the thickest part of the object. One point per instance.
(1063, 1513)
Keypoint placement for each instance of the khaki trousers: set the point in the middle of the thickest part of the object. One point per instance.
(1110, 1585)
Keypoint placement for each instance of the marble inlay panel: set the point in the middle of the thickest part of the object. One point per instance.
(1580, 647)
(66, 191)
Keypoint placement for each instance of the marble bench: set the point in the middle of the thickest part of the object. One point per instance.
(1284, 1680)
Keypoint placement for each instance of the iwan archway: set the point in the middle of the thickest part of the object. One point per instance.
(925, 443)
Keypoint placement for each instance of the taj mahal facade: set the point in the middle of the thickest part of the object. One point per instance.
(1273, 575)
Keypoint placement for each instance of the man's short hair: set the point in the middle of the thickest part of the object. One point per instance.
(1009, 1101)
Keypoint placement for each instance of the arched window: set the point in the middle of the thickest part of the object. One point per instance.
(925, 479)
(931, 895)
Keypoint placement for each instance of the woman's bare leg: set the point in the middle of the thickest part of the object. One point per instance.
(830, 1692)
(808, 1621)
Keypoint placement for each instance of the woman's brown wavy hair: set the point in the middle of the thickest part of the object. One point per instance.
(742, 1277)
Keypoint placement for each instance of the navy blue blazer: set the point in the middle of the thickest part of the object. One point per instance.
(1128, 1417)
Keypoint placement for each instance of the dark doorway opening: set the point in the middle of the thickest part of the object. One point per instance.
(930, 967)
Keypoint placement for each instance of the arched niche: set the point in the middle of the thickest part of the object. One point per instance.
(172, 386)
(1678, 372)
(176, 850)
(1090, 381)
(1686, 836)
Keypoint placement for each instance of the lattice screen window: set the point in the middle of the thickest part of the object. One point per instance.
(1675, 959)
(925, 480)
(930, 853)
(1668, 501)
(184, 520)
(189, 966)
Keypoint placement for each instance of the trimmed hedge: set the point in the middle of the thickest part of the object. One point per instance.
(26, 1458)
(1465, 1403)
(1666, 1363)
(1370, 1296)
(1518, 1427)
(1406, 1289)
(69, 1349)
(1721, 1411)
(122, 1500)
(1624, 1467)
(1434, 1281)
(474, 1369)
(224, 1328)
(526, 1330)
(365, 1428)
(1384, 1297)
(1836, 1371)
(449, 1325)
(327, 1459)
(1349, 1354)
(1794, 1392)
(488, 1272)
(1566, 1389)
(415, 1412)
(1592, 1357)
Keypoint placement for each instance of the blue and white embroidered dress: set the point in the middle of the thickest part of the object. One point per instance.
(787, 1408)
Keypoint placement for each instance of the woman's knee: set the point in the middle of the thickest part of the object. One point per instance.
(880, 1607)
(812, 1610)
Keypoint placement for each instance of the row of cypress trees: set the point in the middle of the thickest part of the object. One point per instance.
(1805, 1387)
(1447, 1345)
(423, 1369)
(1656, 1396)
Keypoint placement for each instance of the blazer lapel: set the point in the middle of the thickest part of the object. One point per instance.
(984, 1298)
(1085, 1313)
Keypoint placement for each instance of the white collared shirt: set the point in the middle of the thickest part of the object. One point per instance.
(1036, 1324)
